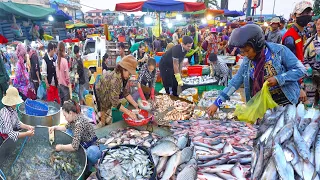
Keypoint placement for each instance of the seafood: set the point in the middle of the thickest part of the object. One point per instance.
(43, 162)
(199, 80)
(167, 110)
(209, 97)
(129, 136)
(291, 149)
(126, 163)
(176, 157)
(223, 148)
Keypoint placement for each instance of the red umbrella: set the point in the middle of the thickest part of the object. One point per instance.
(160, 6)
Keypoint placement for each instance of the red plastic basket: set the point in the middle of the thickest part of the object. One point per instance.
(160, 53)
(194, 70)
(143, 122)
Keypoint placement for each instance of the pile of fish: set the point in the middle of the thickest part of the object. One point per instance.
(288, 144)
(190, 94)
(126, 163)
(198, 80)
(209, 97)
(201, 114)
(174, 158)
(223, 148)
(167, 110)
(129, 136)
(163, 102)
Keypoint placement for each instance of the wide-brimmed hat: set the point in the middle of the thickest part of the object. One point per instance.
(275, 20)
(129, 63)
(12, 97)
(301, 6)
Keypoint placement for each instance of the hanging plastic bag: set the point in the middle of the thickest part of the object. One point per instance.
(257, 106)
(41, 93)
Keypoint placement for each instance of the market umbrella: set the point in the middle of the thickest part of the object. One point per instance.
(160, 6)
(228, 13)
(27, 11)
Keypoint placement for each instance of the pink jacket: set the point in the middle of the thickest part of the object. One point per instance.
(63, 73)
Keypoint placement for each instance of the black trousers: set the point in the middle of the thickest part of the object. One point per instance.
(169, 80)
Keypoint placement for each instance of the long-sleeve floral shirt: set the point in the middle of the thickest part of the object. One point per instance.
(109, 90)
(82, 130)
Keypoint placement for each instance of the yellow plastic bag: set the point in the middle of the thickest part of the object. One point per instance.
(257, 106)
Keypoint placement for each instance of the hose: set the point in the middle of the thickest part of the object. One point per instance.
(23, 144)
(2, 176)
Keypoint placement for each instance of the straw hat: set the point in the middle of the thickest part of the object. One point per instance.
(12, 97)
(129, 63)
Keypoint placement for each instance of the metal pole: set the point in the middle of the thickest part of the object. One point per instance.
(261, 8)
(274, 4)
(249, 8)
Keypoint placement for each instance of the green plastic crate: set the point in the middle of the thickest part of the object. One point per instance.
(201, 89)
(159, 86)
(117, 114)
(214, 87)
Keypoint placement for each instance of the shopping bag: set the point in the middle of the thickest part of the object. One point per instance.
(257, 106)
(41, 93)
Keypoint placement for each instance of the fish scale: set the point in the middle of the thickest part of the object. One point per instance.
(296, 146)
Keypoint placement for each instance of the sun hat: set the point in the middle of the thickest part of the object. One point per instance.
(301, 6)
(12, 97)
(275, 20)
(129, 63)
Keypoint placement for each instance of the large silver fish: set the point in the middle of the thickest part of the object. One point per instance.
(164, 148)
(270, 173)
(188, 173)
(285, 169)
(301, 145)
(172, 165)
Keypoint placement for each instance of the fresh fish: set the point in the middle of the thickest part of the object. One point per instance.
(164, 148)
(266, 135)
(218, 168)
(155, 159)
(301, 111)
(315, 116)
(284, 169)
(188, 173)
(308, 170)
(227, 148)
(290, 113)
(270, 172)
(162, 164)
(209, 157)
(301, 145)
(317, 154)
(310, 133)
(186, 154)
(255, 155)
(205, 145)
(288, 154)
(303, 124)
(237, 171)
(214, 162)
(108, 141)
(279, 125)
(172, 165)
(241, 155)
(182, 141)
(258, 167)
(284, 134)
(226, 176)
(207, 176)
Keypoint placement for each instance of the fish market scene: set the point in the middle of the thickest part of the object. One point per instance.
(160, 90)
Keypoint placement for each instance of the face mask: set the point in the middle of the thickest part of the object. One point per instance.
(303, 20)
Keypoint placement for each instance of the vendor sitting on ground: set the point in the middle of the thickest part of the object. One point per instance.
(80, 129)
(219, 69)
(147, 80)
(263, 61)
(112, 87)
(9, 120)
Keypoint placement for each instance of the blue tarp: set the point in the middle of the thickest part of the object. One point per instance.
(59, 15)
(229, 13)
(163, 5)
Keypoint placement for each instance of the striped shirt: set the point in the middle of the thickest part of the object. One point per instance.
(9, 120)
(221, 71)
(146, 77)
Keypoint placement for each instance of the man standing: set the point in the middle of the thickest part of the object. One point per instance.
(274, 35)
(171, 63)
(294, 38)
(49, 74)
(283, 30)
(196, 40)
(4, 80)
